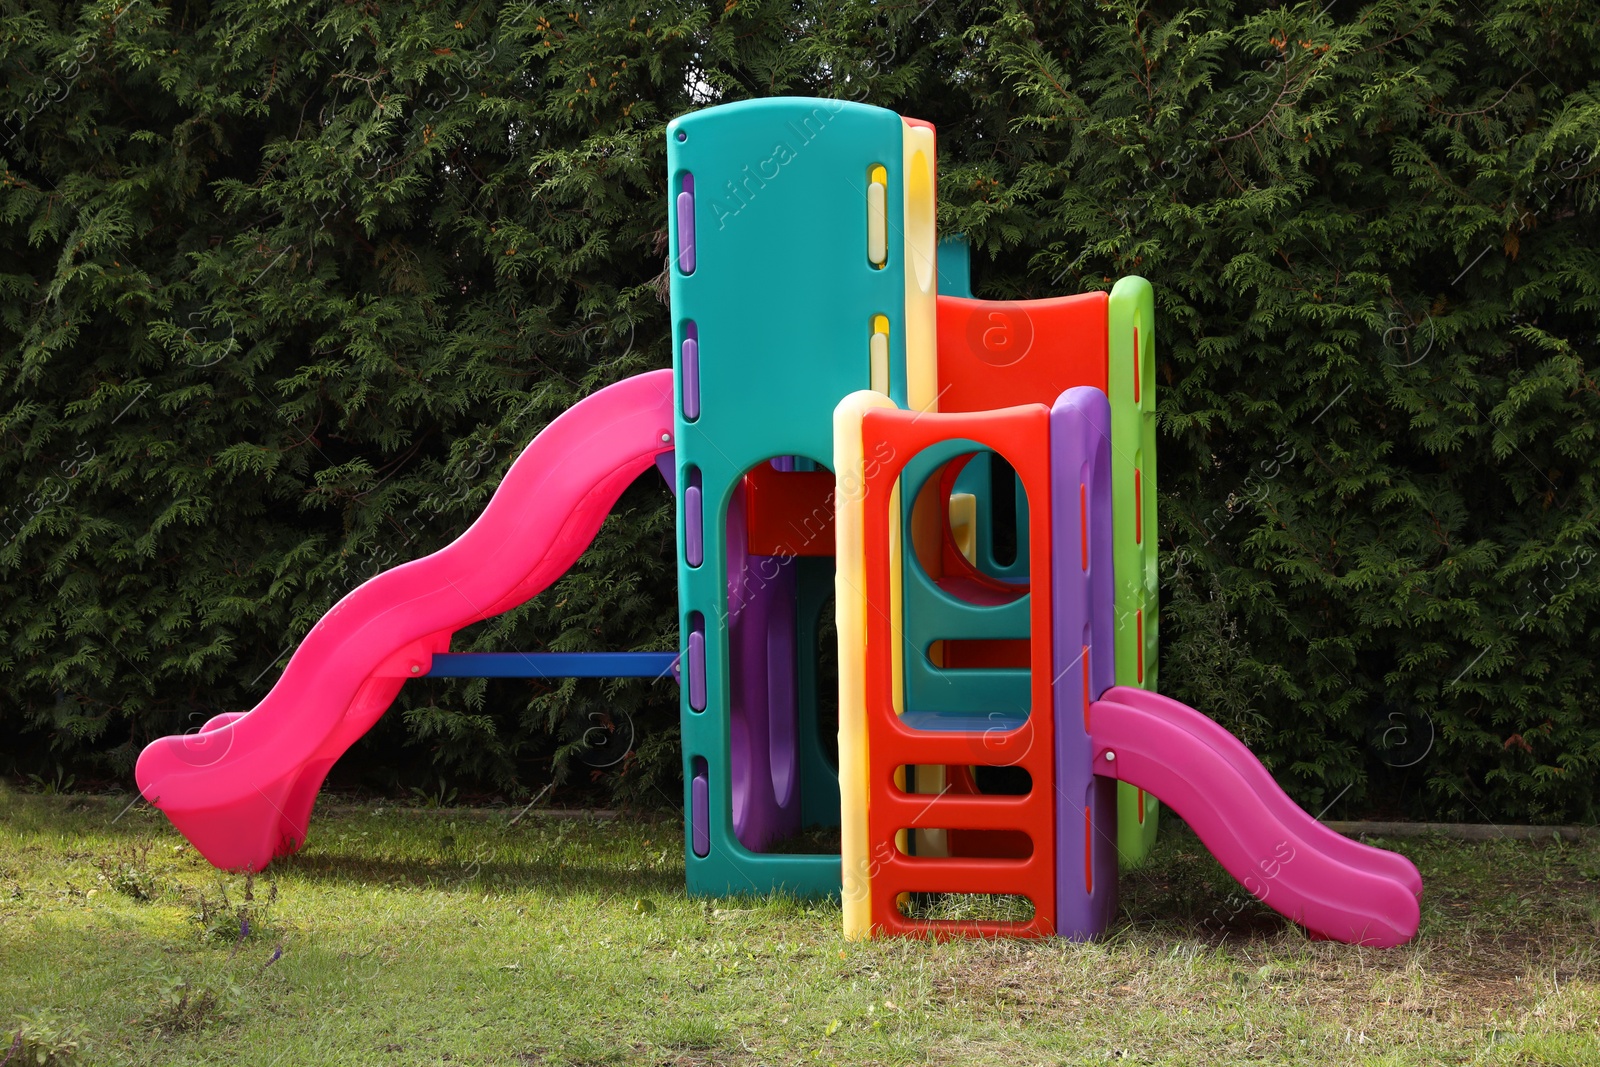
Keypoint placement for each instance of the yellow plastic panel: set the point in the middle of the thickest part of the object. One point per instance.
(964, 525)
(850, 583)
(878, 217)
(878, 352)
(932, 780)
(922, 274)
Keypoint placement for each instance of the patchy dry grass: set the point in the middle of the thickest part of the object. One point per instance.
(437, 937)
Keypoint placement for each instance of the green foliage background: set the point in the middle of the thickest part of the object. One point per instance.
(287, 286)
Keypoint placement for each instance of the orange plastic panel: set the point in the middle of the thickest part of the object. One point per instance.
(1022, 436)
(999, 353)
(789, 513)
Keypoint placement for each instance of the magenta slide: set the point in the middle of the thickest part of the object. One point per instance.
(1335, 887)
(242, 788)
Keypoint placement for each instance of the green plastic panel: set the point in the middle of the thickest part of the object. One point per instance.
(782, 297)
(1132, 389)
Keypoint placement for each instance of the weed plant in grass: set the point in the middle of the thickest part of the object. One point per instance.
(442, 936)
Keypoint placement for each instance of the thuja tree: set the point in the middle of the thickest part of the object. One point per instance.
(289, 286)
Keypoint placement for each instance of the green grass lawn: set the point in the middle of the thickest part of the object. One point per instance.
(446, 937)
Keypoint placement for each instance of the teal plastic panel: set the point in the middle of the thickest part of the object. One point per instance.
(780, 302)
(819, 770)
(977, 478)
(932, 614)
(955, 266)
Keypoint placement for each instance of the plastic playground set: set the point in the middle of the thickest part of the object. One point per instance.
(964, 489)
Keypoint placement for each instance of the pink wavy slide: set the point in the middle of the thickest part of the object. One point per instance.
(241, 789)
(1335, 887)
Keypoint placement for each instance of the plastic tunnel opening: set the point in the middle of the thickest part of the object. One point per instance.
(783, 698)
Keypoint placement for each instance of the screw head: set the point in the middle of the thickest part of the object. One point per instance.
(666, 437)
(1110, 756)
(416, 669)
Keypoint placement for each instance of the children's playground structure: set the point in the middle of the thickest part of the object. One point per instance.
(963, 488)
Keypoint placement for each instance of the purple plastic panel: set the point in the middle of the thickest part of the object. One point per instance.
(694, 532)
(700, 810)
(689, 370)
(667, 464)
(697, 662)
(1082, 610)
(686, 225)
(763, 715)
(783, 694)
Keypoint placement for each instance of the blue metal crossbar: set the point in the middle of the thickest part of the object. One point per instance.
(554, 665)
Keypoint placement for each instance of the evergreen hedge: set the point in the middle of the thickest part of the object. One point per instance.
(287, 285)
